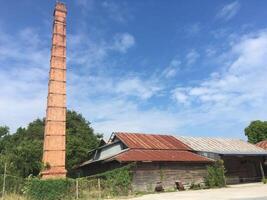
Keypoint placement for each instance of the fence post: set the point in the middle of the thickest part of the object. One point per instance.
(99, 188)
(4, 184)
(77, 188)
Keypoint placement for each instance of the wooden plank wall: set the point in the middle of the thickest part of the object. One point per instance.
(146, 175)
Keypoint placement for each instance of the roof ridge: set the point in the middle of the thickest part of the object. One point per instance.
(138, 133)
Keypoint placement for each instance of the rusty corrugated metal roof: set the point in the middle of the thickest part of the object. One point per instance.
(150, 141)
(160, 155)
(262, 144)
(221, 145)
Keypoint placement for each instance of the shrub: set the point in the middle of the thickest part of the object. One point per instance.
(117, 181)
(12, 184)
(215, 177)
(51, 189)
(195, 186)
(264, 180)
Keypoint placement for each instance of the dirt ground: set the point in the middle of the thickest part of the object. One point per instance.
(254, 191)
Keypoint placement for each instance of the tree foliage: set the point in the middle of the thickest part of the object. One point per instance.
(22, 151)
(51, 189)
(4, 130)
(216, 177)
(256, 131)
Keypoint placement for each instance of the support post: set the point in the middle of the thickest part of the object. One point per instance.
(77, 189)
(262, 171)
(4, 183)
(99, 188)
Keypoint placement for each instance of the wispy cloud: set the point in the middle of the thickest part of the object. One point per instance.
(23, 72)
(123, 42)
(240, 91)
(192, 56)
(179, 94)
(85, 5)
(143, 89)
(118, 11)
(228, 11)
(172, 69)
(25, 65)
(210, 51)
(193, 29)
(91, 53)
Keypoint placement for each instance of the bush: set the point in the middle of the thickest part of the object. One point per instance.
(215, 177)
(51, 189)
(195, 186)
(117, 181)
(12, 184)
(264, 180)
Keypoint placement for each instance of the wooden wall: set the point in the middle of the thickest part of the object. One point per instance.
(242, 169)
(146, 175)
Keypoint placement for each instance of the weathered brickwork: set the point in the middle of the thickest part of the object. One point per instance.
(55, 125)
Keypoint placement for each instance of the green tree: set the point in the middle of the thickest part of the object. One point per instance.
(256, 131)
(23, 149)
(4, 130)
(80, 139)
(216, 175)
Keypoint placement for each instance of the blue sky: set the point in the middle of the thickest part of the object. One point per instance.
(181, 67)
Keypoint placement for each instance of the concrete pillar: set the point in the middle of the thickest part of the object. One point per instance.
(55, 125)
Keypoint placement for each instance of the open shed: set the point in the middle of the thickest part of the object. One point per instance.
(244, 162)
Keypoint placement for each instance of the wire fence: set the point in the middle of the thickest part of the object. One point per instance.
(81, 188)
(11, 185)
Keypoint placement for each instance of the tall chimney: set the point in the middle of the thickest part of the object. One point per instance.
(55, 124)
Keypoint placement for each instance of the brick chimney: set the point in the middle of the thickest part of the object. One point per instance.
(55, 124)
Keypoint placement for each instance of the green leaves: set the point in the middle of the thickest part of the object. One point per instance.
(117, 181)
(4, 130)
(256, 131)
(52, 189)
(23, 149)
(80, 139)
(215, 177)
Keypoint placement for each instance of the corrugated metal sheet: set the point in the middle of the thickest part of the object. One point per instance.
(160, 155)
(262, 144)
(150, 141)
(221, 145)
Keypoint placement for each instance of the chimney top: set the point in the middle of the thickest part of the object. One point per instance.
(60, 6)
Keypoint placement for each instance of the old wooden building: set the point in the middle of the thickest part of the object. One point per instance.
(244, 162)
(158, 158)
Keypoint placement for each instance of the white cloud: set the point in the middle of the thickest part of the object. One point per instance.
(192, 56)
(193, 29)
(211, 51)
(85, 5)
(179, 94)
(172, 69)
(118, 11)
(123, 42)
(228, 11)
(239, 92)
(23, 70)
(91, 53)
(221, 102)
(116, 114)
(143, 89)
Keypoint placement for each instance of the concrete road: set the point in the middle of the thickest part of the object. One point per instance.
(254, 191)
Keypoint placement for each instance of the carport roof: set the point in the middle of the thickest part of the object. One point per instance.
(222, 146)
